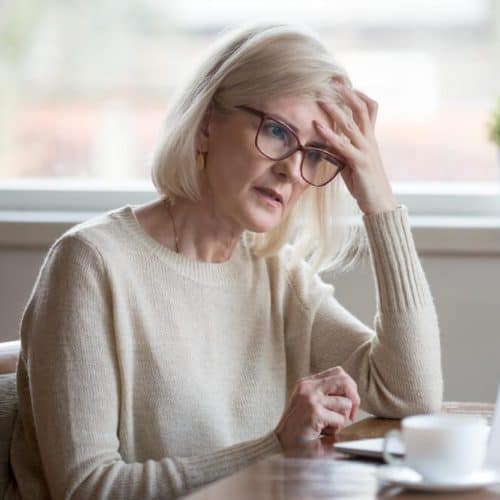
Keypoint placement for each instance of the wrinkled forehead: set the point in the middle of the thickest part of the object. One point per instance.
(327, 93)
(299, 111)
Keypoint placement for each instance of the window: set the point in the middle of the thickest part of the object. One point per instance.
(85, 85)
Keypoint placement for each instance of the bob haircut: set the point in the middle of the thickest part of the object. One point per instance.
(245, 65)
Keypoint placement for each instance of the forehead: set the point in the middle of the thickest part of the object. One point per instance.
(296, 110)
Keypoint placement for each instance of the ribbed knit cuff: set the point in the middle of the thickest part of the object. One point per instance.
(401, 282)
(200, 470)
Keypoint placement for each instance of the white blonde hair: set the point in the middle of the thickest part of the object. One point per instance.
(244, 66)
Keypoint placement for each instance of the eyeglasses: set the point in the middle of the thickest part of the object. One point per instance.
(277, 141)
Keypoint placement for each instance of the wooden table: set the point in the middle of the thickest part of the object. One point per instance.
(318, 472)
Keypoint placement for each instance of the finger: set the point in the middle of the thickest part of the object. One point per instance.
(354, 413)
(371, 105)
(356, 401)
(338, 375)
(340, 122)
(339, 404)
(339, 144)
(357, 105)
(336, 385)
(355, 408)
(331, 419)
(341, 385)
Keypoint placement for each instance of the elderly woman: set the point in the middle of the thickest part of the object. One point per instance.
(167, 345)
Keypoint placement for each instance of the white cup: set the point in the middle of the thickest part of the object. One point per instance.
(441, 447)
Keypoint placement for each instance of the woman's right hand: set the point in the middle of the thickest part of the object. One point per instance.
(320, 402)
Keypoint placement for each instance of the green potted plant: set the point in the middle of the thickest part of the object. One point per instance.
(494, 128)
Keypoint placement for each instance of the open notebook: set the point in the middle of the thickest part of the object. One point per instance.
(372, 448)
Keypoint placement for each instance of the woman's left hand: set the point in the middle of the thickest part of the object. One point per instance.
(364, 174)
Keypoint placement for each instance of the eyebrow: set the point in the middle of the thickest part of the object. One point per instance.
(314, 144)
(284, 120)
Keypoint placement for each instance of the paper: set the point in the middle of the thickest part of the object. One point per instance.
(493, 454)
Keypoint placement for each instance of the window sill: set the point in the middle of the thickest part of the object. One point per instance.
(474, 235)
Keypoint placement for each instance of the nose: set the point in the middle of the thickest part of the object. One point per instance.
(289, 168)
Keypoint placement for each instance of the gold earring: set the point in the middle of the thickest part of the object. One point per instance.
(200, 161)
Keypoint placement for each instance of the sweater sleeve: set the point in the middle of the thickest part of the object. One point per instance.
(73, 381)
(397, 366)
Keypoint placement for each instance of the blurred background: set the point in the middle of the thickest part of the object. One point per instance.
(84, 85)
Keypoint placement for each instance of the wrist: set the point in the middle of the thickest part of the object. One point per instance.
(386, 207)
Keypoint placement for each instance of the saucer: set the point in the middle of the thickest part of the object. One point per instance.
(410, 479)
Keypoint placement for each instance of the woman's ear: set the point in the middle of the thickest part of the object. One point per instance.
(205, 128)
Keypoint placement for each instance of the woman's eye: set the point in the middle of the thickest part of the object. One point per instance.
(314, 156)
(276, 131)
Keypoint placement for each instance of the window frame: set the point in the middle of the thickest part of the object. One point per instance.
(41, 196)
(443, 223)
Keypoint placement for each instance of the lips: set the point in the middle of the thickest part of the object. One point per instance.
(271, 193)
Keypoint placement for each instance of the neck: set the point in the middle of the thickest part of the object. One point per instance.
(204, 234)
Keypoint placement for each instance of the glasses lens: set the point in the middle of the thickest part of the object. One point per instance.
(318, 168)
(275, 140)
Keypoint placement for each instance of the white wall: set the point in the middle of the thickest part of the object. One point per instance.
(466, 291)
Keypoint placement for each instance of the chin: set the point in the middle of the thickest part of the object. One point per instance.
(262, 224)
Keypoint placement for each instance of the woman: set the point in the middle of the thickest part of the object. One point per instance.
(169, 344)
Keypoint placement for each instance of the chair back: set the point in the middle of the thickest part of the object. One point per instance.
(9, 352)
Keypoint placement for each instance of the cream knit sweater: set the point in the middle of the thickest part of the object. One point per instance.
(145, 374)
